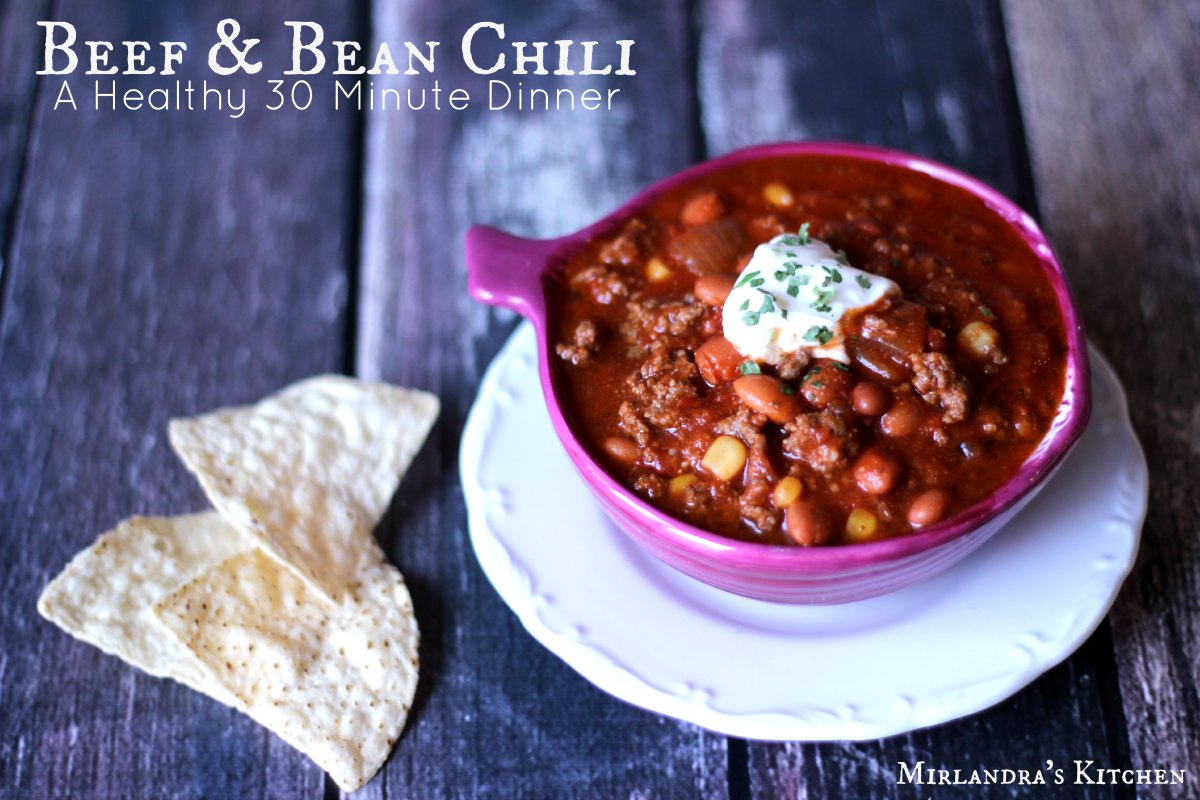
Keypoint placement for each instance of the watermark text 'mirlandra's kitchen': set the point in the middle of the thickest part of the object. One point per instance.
(1080, 772)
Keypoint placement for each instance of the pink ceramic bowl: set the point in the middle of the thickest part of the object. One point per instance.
(508, 271)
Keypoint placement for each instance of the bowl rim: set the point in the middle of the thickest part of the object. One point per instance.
(1067, 426)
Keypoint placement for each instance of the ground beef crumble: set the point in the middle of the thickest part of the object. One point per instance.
(582, 346)
(793, 365)
(648, 321)
(654, 392)
(626, 249)
(948, 295)
(632, 425)
(820, 439)
(651, 486)
(745, 424)
(755, 503)
(935, 379)
(602, 283)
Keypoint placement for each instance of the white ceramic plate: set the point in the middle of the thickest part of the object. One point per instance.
(953, 645)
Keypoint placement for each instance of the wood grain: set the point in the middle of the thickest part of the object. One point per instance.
(886, 73)
(163, 263)
(1109, 94)
(496, 714)
(17, 86)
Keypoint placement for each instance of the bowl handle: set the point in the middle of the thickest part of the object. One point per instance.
(505, 270)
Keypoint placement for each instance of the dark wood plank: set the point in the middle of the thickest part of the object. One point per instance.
(875, 71)
(1110, 101)
(18, 48)
(164, 263)
(896, 73)
(496, 715)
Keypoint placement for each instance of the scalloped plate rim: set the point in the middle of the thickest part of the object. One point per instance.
(812, 723)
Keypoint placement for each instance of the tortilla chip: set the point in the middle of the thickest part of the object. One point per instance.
(308, 471)
(333, 679)
(280, 603)
(106, 595)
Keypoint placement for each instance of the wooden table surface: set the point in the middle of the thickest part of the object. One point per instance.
(163, 263)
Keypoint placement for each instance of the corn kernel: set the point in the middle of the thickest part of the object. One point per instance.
(978, 338)
(861, 525)
(787, 491)
(778, 195)
(657, 271)
(681, 482)
(725, 457)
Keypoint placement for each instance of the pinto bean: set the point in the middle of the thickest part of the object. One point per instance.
(876, 472)
(713, 289)
(623, 450)
(808, 523)
(702, 209)
(870, 399)
(718, 361)
(769, 396)
(901, 419)
(826, 382)
(928, 508)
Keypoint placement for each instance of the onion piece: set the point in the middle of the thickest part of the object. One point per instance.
(709, 248)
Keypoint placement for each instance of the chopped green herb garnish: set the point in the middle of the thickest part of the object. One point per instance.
(780, 274)
(863, 281)
(749, 368)
(793, 288)
(749, 276)
(841, 366)
(816, 384)
(744, 305)
(753, 317)
(785, 389)
(831, 275)
(804, 233)
(757, 282)
(987, 312)
(818, 333)
(783, 313)
(842, 258)
(823, 298)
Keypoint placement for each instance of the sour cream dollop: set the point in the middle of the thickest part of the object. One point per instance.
(793, 295)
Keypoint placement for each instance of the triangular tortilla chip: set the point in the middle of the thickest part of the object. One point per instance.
(333, 679)
(281, 604)
(307, 472)
(106, 595)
